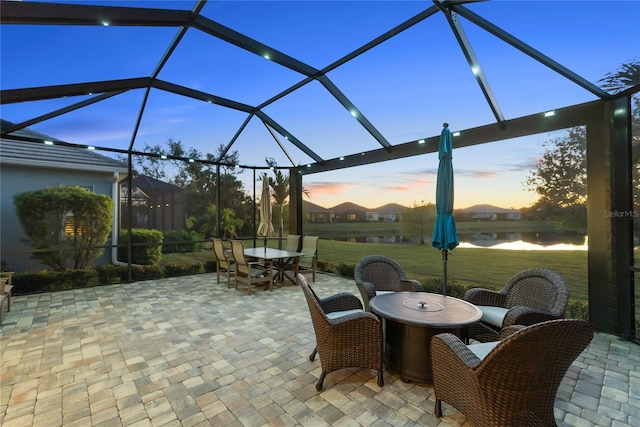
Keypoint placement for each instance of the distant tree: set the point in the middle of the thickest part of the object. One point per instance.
(199, 180)
(561, 175)
(67, 225)
(560, 178)
(419, 220)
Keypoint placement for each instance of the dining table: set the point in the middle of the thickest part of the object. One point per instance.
(281, 260)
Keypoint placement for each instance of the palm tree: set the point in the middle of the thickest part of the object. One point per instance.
(280, 186)
(626, 75)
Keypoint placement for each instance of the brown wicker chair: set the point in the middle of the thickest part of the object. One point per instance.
(531, 296)
(376, 273)
(346, 335)
(250, 273)
(225, 265)
(516, 382)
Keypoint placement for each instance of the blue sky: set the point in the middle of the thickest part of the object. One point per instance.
(406, 86)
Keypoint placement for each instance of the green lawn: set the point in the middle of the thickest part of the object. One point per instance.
(477, 267)
(468, 267)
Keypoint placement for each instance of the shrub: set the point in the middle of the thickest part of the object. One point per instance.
(345, 270)
(146, 272)
(179, 241)
(577, 310)
(173, 270)
(209, 266)
(79, 278)
(454, 289)
(68, 225)
(107, 274)
(146, 246)
(32, 283)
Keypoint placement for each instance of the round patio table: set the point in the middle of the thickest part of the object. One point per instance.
(410, 319)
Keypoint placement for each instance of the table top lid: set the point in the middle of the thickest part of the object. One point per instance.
(423, 308)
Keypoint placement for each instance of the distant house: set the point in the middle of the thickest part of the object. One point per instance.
(349, 212)
(155, 204)
(391, 212)
(29, 166)
(487, 213)
(315, 213)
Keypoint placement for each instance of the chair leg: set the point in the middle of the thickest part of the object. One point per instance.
(437, 410)
(313, 354)
(321, 380)
(380, 378)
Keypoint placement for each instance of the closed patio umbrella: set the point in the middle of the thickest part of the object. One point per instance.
(265, 228)
(445, 235)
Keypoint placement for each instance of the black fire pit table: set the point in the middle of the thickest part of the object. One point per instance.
(410, 319)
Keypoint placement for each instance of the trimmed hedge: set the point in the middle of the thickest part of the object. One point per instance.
(146, 246)
(179, 242)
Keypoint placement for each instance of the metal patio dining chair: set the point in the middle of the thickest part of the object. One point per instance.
(530, 296)
(251, 272)
(378, 274)
(225, 264)
(346, 335)
(307, 261)
(293, 243)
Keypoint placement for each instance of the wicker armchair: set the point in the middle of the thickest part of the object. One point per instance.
(516, 382)
(377, 274)
(531, 296)
(346, 335)
(225, 265)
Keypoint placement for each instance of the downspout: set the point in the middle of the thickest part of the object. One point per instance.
(116, 219)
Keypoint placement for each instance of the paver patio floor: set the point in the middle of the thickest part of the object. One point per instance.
(190, 352)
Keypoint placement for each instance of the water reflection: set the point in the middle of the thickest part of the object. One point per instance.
(502, 240)
(524, 241)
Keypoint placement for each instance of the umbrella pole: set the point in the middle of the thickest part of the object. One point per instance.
(445, 254)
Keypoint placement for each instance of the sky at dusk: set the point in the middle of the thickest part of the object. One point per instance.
(406, 87)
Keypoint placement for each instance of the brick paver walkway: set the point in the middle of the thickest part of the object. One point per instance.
(190, 352)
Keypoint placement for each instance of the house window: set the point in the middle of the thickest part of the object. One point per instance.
(70, 228)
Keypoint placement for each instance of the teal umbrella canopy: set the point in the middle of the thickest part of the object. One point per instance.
(445, 235)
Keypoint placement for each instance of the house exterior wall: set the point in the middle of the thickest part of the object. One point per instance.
(15, 179)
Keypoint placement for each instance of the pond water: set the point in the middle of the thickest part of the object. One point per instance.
(502, 240)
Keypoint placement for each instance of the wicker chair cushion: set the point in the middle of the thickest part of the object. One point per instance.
(481, 350)
(493, 315)
(338, 314)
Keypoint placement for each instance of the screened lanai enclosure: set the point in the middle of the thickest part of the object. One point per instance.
(341, 104)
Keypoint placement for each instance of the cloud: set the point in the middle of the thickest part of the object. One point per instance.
(332, 188)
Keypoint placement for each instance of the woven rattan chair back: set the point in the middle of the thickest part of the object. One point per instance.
(353, 340)
(384, 273)
(538, 288)
(516, 383)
